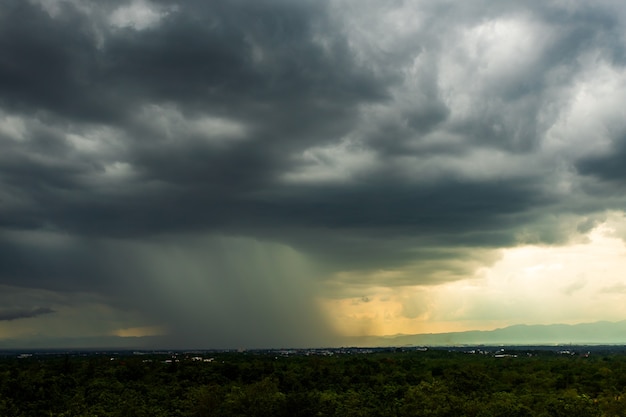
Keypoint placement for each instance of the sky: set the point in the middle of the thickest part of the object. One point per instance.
(270, 173)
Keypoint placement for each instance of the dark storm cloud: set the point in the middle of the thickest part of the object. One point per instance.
(216, 54)
(200, 59)
(63, 264)
(609, 167)
(202, 54)
(48, 64)
(9, 315)
(285, 74)
(360, 139)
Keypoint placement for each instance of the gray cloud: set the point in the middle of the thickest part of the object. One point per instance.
(607, 167)
(9, 315)
(361, 135)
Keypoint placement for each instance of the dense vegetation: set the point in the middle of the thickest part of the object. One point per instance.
(432, 383)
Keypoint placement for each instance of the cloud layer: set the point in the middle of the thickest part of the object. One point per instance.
(155, 151)
(8, 315)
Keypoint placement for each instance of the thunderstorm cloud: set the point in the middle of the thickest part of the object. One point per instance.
(216, 167)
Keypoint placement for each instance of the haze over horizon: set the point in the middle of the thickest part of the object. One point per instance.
(290, 173)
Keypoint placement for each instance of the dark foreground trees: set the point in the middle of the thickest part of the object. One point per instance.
(398, 384)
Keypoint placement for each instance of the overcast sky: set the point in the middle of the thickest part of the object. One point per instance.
(254, 173)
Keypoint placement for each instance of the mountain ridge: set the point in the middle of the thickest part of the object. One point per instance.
(600, 332)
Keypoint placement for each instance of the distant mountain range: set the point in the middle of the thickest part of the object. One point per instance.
(598, 333)
(602, 332)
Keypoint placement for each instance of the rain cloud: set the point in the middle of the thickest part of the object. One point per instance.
(213, 167)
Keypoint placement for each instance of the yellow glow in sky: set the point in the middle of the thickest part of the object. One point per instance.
(141, 331)
(576, 283)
